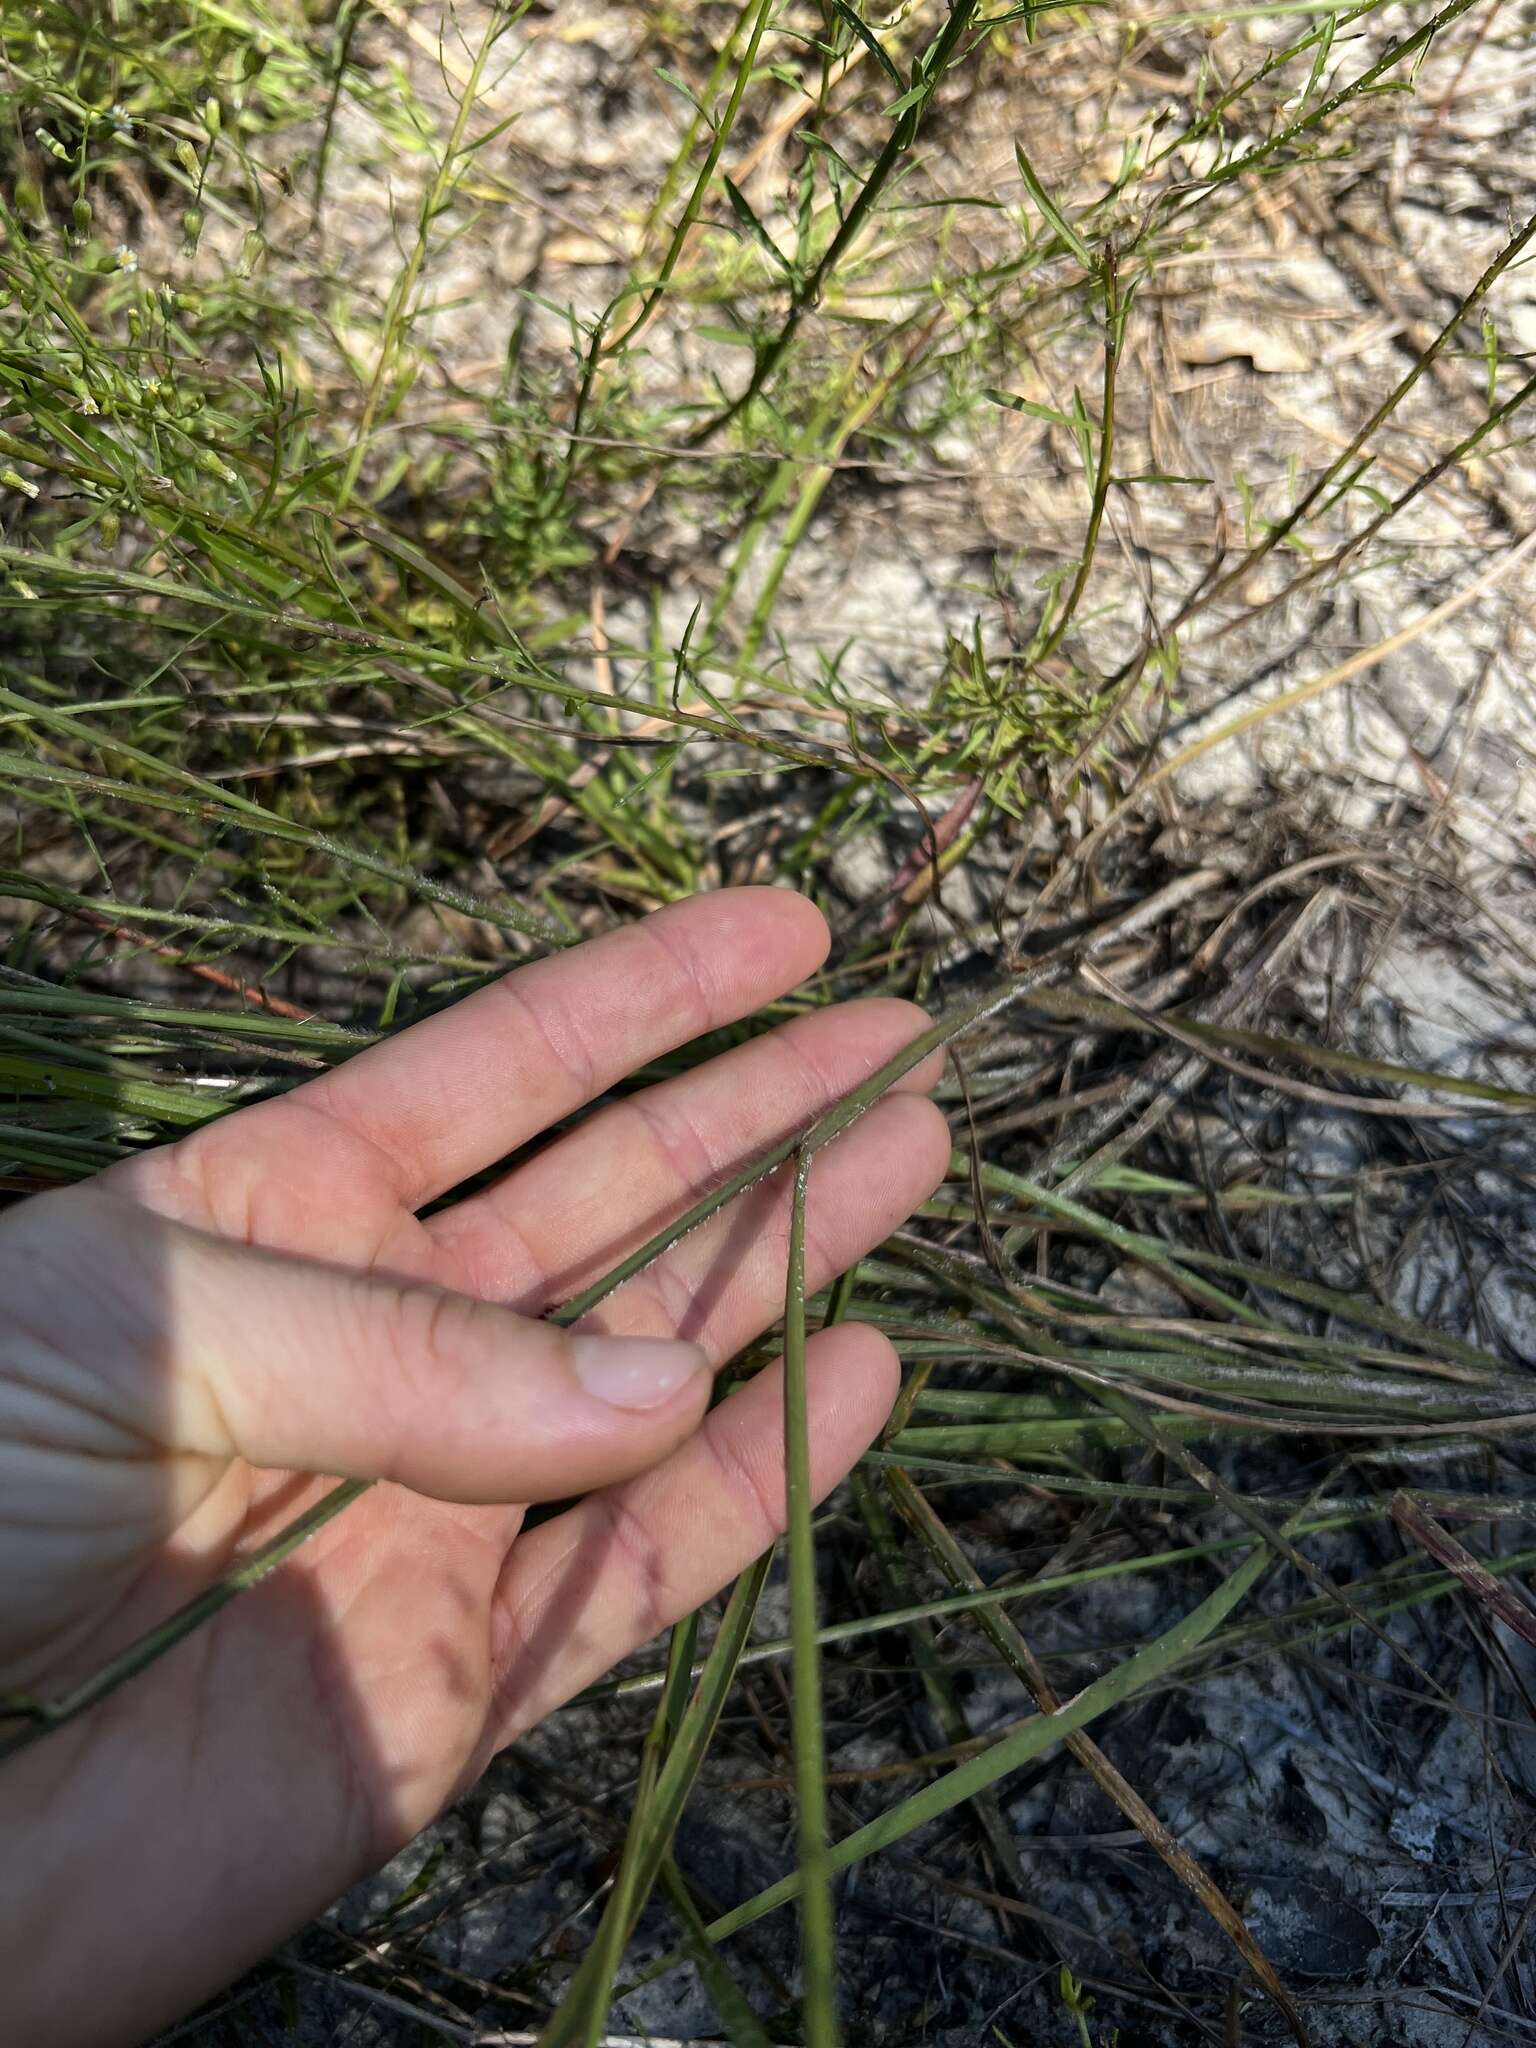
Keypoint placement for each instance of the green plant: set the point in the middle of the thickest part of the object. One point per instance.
(346, 661)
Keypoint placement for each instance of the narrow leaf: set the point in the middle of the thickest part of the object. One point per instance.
(741, 206)
(870, 40)
(1055, 218)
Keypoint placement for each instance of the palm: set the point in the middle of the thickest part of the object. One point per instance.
(323, 1719)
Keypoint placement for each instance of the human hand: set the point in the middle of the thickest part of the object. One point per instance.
(193, 1338)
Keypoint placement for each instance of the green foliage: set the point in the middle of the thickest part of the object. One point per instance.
(1007, 719)
(313, 718)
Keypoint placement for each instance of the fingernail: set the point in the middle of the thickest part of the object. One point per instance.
(634, 1372)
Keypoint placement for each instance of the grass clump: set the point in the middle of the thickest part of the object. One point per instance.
(467, 476)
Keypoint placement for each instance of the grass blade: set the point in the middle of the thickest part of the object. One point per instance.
(1054, 218)
(816, 1911)
(664, 1792)
(1156, 1661)
(1016, 1653)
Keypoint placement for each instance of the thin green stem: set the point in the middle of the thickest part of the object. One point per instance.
(1149, 1664)
(722, 135)
(817, 1920)
(397, 312)
(46, 1716)
(1282, 528)
(1324, 111)
(808, 292)
(1103, 476)
(948, 1605)
(676, 1754)
(149, 1648)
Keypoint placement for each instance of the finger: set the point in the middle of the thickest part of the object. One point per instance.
(552, 1226)
(298, 1366)
(463, 1088)
(584, 1590)
(722, 1285)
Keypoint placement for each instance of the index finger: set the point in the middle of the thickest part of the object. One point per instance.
(462, 1089)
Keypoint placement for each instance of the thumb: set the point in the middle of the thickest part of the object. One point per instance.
(303, 1367)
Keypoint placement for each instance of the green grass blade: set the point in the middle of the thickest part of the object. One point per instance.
(1054, 218)
(817, 1920)
(1150, 1664)
(666, 1785)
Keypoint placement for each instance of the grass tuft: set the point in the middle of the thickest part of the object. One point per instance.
(1055, 486)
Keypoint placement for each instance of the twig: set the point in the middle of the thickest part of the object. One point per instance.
(246, 991)
(1445, 1549)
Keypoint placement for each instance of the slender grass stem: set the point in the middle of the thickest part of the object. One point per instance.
(807, 294)
(397, 314)
(1155, 1661)
(675, 1754)
(44, 1717)
(1115, 309)
(803, 1145)
(817, 1919)
(720, 136)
